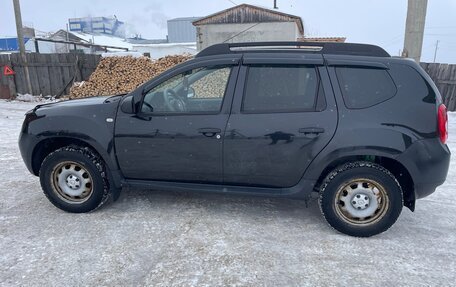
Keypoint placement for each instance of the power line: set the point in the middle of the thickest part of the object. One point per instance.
(436, 48)
(242, 32)
(232, 2)
(440, 27)
(393, 40)
(438, 34)
(446, 45)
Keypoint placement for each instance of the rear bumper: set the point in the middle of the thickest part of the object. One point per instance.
(428, 162)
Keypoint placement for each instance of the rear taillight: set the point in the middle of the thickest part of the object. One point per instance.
(442, 121)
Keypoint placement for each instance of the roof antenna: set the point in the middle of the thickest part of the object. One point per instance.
(275, 4)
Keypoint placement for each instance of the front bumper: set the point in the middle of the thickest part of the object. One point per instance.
(26, 144)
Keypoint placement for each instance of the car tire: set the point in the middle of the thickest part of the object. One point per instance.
(74, 179)
(361, 199)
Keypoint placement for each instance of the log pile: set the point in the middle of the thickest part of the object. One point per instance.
(119, 75)
(213, 85)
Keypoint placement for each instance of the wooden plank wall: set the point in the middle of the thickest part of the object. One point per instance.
(7, 86)
(50, 74)
(444, 76)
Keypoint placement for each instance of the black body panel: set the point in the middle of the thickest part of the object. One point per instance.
(83, 120)
(283, 154)
(392, 128)
(273, 149)
(175, 147)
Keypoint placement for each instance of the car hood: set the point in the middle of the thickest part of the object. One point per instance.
(80, 102)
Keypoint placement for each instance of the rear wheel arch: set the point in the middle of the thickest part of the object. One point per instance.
(399, 171)
(361, 198)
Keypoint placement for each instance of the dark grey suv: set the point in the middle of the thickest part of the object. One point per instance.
(365, 130)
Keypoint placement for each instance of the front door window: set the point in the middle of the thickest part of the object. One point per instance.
(199, 90)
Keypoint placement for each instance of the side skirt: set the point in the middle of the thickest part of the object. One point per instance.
(302, 190)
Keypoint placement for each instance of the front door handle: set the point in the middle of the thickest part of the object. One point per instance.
(209, 132)
(311, 131)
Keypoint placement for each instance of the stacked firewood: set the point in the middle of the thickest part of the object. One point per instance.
(119, 75)
(212, 85)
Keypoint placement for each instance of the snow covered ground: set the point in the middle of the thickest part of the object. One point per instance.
(179, 239)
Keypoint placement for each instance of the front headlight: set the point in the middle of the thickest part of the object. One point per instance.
(30, 111)
(30, 116)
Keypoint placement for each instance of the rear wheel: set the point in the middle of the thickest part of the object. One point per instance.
(361, 199)
(74, 179)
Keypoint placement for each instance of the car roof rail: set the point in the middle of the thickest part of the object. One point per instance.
(313, 47)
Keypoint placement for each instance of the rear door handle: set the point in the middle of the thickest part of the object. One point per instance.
(308, 131)
(209, 132)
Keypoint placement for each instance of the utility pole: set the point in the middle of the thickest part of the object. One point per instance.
(436, 48)
(414, 29)
(20, 39)
(275, 4)
(67, 38)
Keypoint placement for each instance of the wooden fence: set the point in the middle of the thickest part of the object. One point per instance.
(50, 74)
(444, 76)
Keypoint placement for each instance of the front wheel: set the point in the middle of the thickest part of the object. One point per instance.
(361, 199)
(74, 179)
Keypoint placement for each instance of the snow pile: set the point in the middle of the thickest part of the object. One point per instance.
(33, 99)
(122, 54)
(104, 40)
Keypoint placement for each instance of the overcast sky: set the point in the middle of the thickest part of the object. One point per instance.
(380, 22)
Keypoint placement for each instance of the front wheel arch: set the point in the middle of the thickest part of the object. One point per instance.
(49, 145)
(74, 179)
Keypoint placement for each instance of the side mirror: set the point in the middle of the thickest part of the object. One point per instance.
(127, 105)
(137, 96)
(190, 92)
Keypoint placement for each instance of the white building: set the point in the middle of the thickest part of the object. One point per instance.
(161, 50)
(247, 23)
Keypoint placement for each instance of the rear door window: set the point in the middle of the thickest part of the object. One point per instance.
(275, 88)
(364, 87)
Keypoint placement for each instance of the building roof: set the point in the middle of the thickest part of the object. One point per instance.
(136, 41)
(103, 39)
(323, 39)
(184, 19)
(10, 44)
(64, 35)
(246, 13)
(92, 38)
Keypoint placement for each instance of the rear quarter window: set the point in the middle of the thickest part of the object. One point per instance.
(411, 84)
(365, 87)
